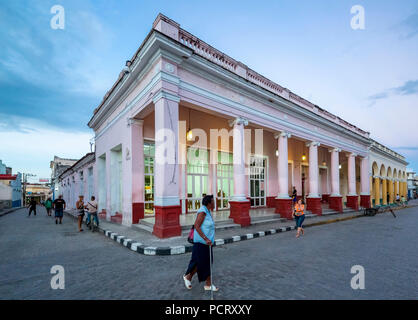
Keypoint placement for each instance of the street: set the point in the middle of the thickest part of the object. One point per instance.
(315, 266)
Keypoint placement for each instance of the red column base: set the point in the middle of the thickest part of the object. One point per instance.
(102, 215)
(352, 202)
(336, 203)
(325, 197)
(117, 218)
(167, 221)
(137, 212)
(365, 201)
(270, 202)
(239, 211)
(314, 205)
(284, 208)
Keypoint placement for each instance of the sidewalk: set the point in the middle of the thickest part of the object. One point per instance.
(144, 242)
(3, 212)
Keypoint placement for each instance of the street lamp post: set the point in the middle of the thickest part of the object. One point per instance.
(25, 180)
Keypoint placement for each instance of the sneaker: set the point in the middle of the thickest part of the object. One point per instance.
(56, 221)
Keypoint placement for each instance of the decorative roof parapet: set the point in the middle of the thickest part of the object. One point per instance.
(172, 29)
(201, 48)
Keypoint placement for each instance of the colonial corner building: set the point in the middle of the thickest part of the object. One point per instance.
(184, 120)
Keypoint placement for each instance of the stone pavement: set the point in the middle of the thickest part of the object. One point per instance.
(144, 242)
(314, 266)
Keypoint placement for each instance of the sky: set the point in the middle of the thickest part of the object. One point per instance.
(51, 80)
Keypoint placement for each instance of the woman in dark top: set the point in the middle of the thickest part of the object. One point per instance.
(204, 237)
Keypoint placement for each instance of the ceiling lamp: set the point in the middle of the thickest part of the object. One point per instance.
(189, 135)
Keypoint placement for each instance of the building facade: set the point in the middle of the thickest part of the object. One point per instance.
(412, 183)
(78, 180)
(10, 188)
(58, 166)
(184, 120)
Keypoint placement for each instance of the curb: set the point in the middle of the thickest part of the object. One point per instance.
(10, 211)
(176, 250)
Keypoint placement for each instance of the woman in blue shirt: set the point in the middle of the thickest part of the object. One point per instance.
(203, 238)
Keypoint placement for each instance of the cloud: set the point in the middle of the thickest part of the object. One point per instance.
(408, 88)
(55, 76)
(411, 26)
(32, 152)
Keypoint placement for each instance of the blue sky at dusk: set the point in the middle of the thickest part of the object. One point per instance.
(51, 80)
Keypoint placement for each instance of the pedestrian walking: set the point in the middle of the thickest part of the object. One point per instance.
(59, 207)
(294, 196)
(398, 199)
(48, 206)
(203, 239)
(80, 210)
(32, 207)
(299, 215)
(91, 207)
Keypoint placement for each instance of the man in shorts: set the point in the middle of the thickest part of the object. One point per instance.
(59, 207)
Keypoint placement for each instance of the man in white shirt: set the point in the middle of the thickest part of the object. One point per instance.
(92, 210)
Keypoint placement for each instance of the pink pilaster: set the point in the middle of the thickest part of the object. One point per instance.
(365, 183)
(352, 197)
(167, 182)
(137, 158)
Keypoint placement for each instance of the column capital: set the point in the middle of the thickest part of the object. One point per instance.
(166, 95)
(334, 150)
(313, 144)
(351, 154)
(238, 121)
(282, 134)
(132, 121)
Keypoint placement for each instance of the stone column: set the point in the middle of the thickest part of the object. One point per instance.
(352, 197)
(376, 190)
(365, 183)
(313, 200)
(283, 201)
(239, 204)
(138, 179)
(384, 191)
(335, 199)
(167, 183)
(390, 189)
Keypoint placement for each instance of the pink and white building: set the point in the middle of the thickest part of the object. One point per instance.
(184, 120)
(78, 180)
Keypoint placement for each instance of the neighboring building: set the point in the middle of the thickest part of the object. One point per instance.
(412, 183)
(387, 174)
(2, 168)
(40, 192)
(78, 180)
(58, 166)
(10, 188)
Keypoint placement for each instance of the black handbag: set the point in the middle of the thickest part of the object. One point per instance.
(191, 235)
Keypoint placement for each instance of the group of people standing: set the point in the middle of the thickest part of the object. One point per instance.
(59, 205)
(91, 207)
